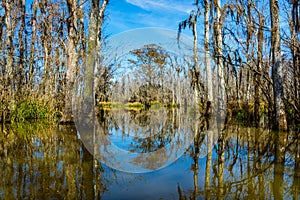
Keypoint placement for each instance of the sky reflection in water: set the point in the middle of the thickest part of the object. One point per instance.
(44, 162)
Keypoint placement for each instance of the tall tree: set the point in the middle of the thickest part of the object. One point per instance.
(71, 59)
(191, 22)
(277, 68)
(294, 45)
(92, 64)
(32, 46)
(259, 62)
(9, 47)
(219, 56)
(94, 39)
(20, 72)
(207, 52)
(46, 34)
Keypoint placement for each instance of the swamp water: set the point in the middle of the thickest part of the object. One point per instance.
(40, 161)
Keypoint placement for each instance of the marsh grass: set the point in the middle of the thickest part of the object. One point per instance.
(32, 110)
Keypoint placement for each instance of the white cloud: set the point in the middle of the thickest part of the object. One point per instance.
(167, 5)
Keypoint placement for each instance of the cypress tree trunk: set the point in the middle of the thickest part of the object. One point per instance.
(196, 72)
(32, 46)
(21, 74)
(94, 45)
(207, 54)
(219, 54)
(8, 80)
(277, 69)
(71, 60)
(260, 38)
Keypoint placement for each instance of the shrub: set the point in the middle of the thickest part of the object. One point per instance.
(31, 110)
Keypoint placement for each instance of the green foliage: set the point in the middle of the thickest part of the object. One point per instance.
(244, 111)
(32, 110)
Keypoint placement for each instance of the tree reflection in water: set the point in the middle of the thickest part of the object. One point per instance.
(39, 161)
(43, 162)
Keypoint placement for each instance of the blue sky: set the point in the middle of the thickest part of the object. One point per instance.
(125, 15)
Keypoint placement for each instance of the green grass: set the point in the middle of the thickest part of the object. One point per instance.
(31, 110)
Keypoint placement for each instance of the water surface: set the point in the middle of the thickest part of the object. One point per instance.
(40, 161)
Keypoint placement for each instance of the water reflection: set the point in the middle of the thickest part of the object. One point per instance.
(42, 162)
(39, 161)
(150, 140)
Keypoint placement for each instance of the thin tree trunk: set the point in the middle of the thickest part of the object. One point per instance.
(196, 67)
(10, 51)
(207, 54)
(32, 46)
(211, 104)
(295, 48)
(71, 60)
(277, 69)
(46, 39)
(260, 38)
(219, 53)
(21, 73)
(221, 95)
(82, 33)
